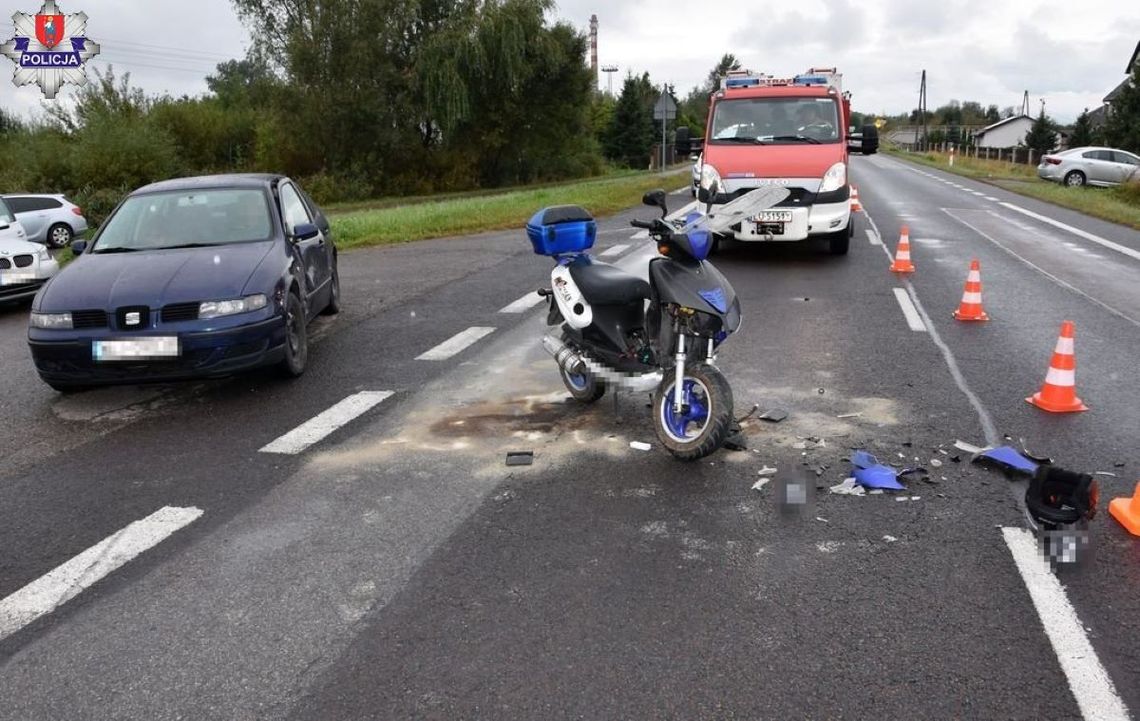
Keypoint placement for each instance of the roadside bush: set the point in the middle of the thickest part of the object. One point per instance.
(111, 153)
(1128, 192)
(329, 188)
(97, 203)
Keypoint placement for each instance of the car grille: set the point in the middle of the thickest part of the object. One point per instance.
(121, 317)
(5, 264)
(180, 311)
(89, 319)
(23, 261)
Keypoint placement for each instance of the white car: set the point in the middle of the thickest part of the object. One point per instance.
(1090, 166)
(24, 266)
(49, 219)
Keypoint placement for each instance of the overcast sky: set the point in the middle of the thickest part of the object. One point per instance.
(1070, 53)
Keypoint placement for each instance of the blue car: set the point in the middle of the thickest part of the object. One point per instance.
(189, 278)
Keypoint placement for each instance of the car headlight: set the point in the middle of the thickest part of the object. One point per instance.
(218, 308)
(51, 321)
(710, 178)
(835, 178)
(44, 253)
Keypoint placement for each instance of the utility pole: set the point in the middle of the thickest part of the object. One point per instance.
(922, 107)
(609, 70)
(1025, 103)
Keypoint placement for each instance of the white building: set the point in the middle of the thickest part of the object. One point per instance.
(1007, 133)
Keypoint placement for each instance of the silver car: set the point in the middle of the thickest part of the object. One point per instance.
(1090, 166)
(49, 219)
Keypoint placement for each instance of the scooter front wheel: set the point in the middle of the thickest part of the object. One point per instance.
(585, 387)
(706, 415)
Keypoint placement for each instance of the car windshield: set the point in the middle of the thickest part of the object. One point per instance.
(186, 218)
(776, 121)
(6, 217)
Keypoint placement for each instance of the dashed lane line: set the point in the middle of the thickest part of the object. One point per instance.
(909, 311)
(873, 237)
(320, 426)
(523, 304)
(1095, 693)
(456, 343)
(68, 580)
(613, 250)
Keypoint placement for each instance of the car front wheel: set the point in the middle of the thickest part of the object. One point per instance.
(1074, 178)
(59, 236)
(296, 338)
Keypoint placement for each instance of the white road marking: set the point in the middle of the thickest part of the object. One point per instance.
(1131, 253)
(323, 424)
(523, 304)
(989, 197)
(909, 311)
(989, 430)
(614, 250)
(977, 193)
(873, 237)
(68, 580)
(456, 343)
(1096, 695)
(1042, 271)
(640, 235)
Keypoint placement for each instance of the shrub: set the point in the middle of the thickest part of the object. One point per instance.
(1128, 192)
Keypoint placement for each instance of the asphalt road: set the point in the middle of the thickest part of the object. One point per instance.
(398, 569)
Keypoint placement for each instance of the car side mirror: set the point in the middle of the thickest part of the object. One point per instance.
(78, 246)
(303, 231)
(656, 198)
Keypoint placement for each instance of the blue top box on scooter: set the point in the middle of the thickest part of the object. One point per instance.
(561, 229)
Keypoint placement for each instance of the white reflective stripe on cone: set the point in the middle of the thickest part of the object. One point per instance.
(974, 277)
(1064, 346)
(1058, 377)
(972, 298)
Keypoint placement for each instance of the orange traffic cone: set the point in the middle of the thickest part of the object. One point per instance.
(902, 262)
(971, 306)
(855, 206)
(1059, 393)
(1127, 511)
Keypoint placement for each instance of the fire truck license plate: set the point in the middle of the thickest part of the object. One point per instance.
(774, 216)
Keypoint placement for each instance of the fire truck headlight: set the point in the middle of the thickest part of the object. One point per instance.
(835, 178)
(710, 178)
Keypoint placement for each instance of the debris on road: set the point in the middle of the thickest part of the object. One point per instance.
(520, 458)
(850, 415)
(935, 462)
(968, 447)
(1105, 473)
(870, 473)
(1008, 458)
(848, 487)
(890, 539)
(775, 415)
(1030, 455)
(749, 414)
(640, 446)
(766, 471)
(736, 440)
(759, 485)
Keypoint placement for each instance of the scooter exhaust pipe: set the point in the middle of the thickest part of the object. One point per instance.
(575, 363)
(564, 355)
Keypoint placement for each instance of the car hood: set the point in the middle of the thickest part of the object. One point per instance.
(800, 160)
(12, 246)
(154, 278)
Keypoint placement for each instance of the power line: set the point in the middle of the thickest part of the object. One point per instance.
(147, 47)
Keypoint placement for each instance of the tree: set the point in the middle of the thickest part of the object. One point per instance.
(726, 63)
(992, 114)
(631, 134)
(1122, 130)
(1042, 135)
(1082, 134)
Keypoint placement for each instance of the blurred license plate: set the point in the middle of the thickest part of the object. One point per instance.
(15, 277)
(155, 347)
(774, 216)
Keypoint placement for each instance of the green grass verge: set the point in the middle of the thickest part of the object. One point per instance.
(465, 215)
(1118, 205)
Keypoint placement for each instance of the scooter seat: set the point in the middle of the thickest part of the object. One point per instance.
(604, 284)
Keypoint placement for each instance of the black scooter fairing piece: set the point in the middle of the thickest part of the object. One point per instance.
(605, 284)
(681, 282)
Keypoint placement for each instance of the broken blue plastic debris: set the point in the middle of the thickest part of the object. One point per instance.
(870, 473)
(1010, 458)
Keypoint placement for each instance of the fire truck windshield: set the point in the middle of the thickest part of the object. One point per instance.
(775, 120)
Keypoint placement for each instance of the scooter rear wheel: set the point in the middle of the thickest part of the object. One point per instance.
(702, 426)
(584, 387)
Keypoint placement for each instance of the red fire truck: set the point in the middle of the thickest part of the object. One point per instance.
(791, 132)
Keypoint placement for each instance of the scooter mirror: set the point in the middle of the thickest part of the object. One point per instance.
(711, 193)
(656, 198)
